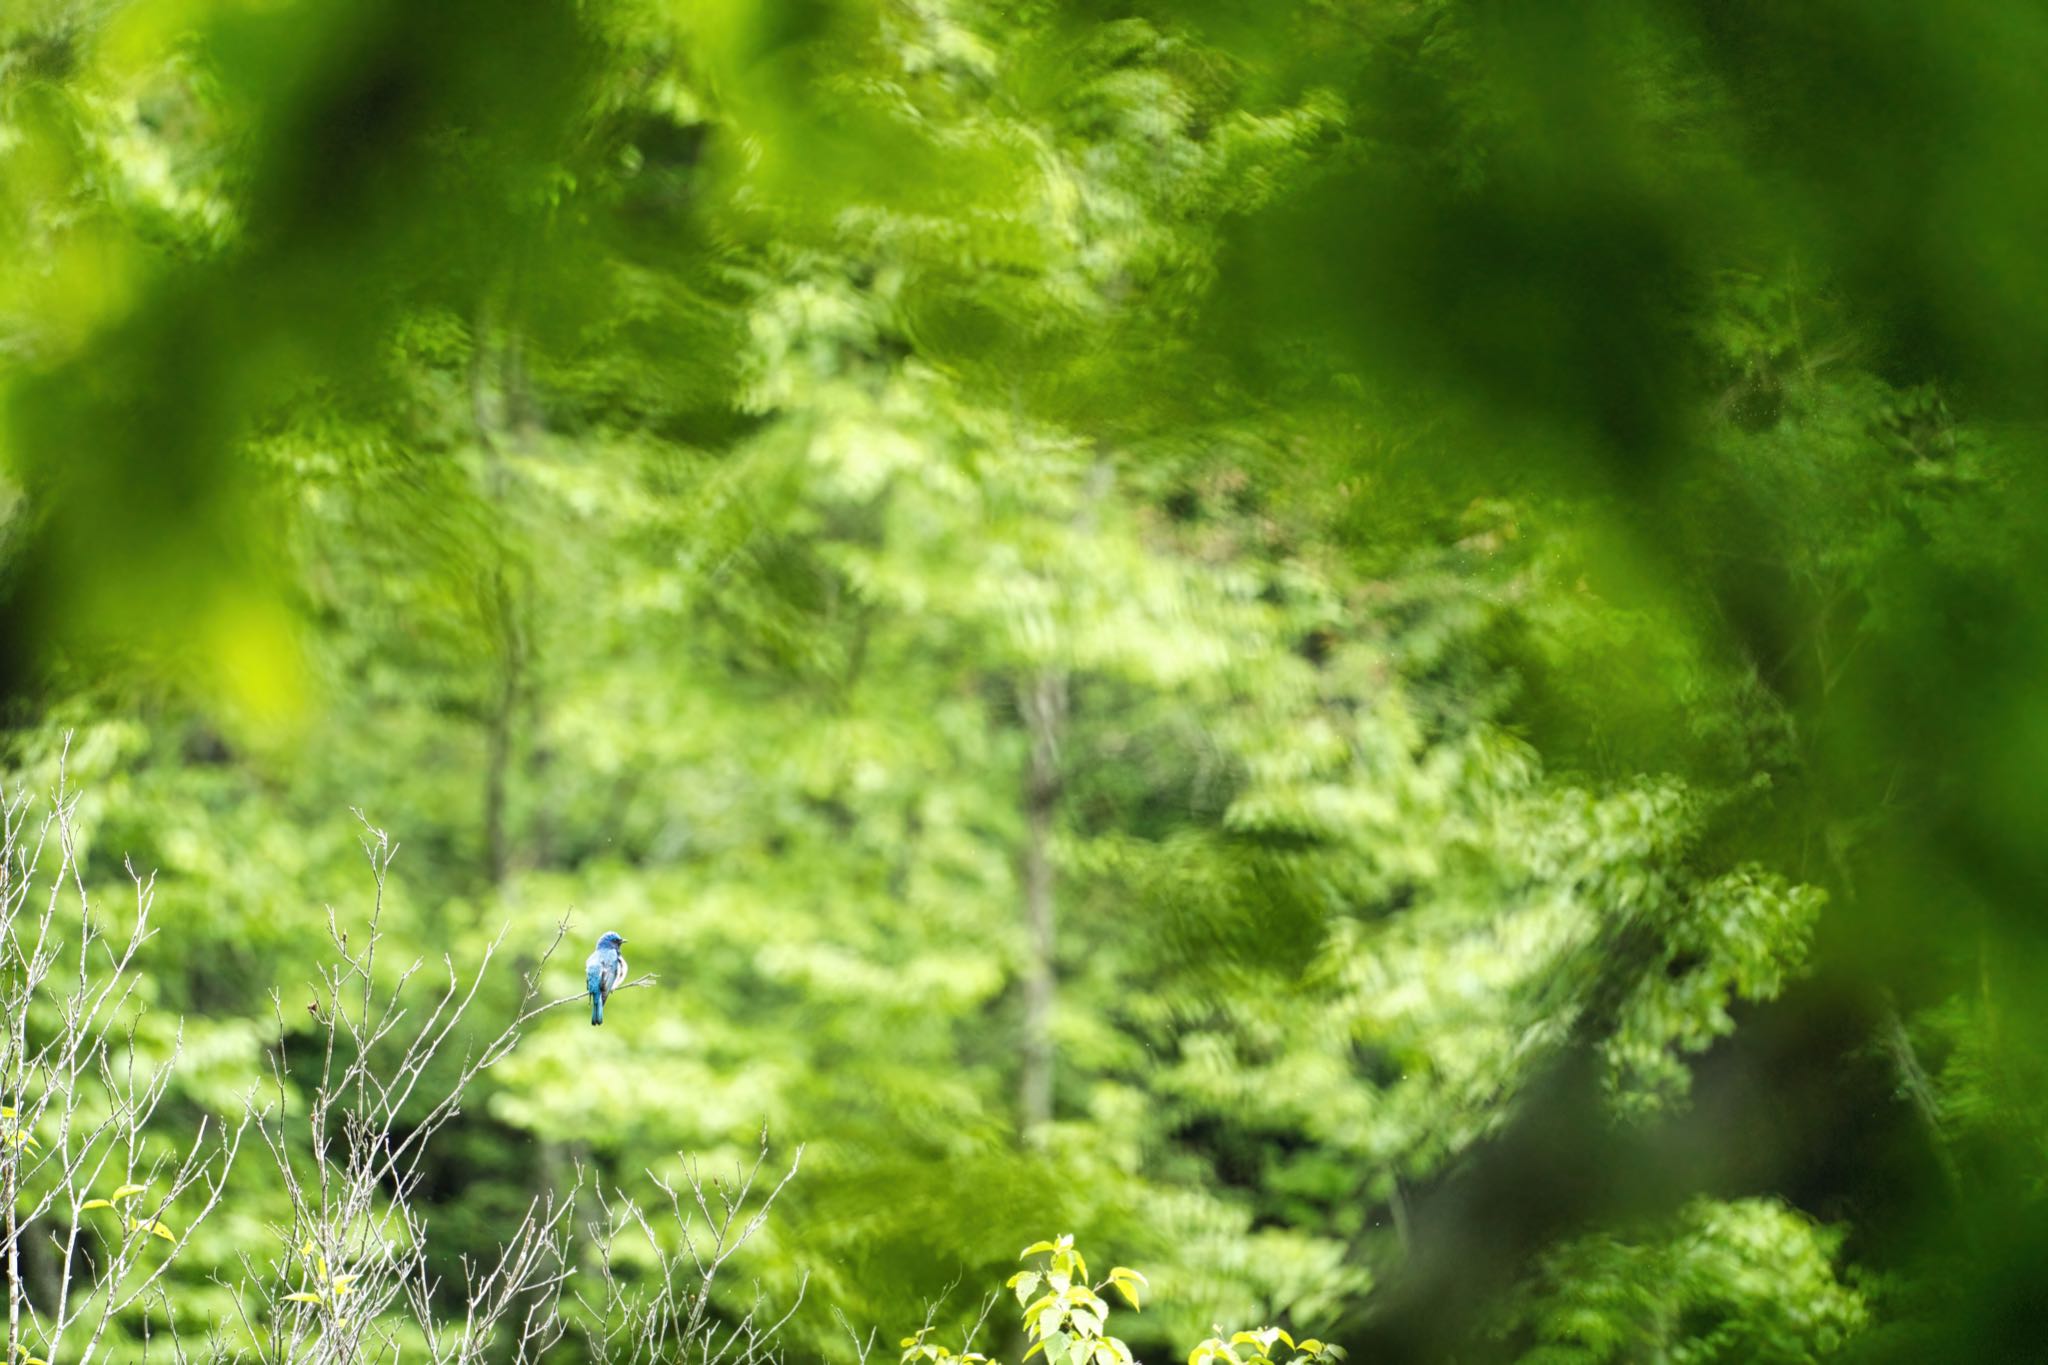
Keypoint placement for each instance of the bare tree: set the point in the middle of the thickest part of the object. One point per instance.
(689, 1236)
(348, 1120)
(96, 1210)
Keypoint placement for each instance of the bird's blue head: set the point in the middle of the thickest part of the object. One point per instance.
(609, 939)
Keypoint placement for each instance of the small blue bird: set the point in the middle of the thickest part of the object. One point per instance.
(603, 970)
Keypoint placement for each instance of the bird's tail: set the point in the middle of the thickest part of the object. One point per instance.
(596, 1008)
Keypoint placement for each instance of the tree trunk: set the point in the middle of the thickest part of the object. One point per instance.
(492, 414)
(1043, 702)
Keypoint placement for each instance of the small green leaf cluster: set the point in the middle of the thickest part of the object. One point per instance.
(1257, 1349)
(154, 1227)
(1066, 1320)
(330, 1289)
(915, 1347)
(14, 1133)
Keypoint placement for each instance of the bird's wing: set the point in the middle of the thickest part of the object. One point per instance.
(593, 975)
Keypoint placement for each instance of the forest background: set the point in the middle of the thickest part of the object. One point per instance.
(1384, 658)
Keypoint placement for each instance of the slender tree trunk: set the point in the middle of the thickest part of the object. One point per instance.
(493, 414)
(509, 417)
(1043, 701)
(1918, 1089)
(1397, 1203)
(498, 734)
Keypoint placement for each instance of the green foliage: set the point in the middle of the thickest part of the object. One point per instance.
(1162, 622)
(1724, 1281)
